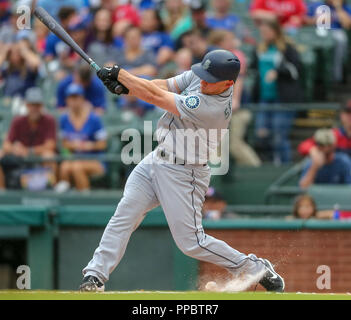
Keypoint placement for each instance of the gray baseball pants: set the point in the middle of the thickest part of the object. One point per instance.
(180, 190)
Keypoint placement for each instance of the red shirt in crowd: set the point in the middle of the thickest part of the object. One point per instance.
(284, 9)
(126, 12)
(343, 142)
(21, 131)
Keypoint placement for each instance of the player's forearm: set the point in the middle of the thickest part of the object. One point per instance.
(146, 70)
(161, 83)
(143, 89)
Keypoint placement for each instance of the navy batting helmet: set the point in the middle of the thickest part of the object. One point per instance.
(218, 65)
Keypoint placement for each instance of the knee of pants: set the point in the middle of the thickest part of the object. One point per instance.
(189, 245)
(128, 212)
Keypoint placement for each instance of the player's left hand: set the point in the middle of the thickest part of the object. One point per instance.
(115, 87)
(109, 73)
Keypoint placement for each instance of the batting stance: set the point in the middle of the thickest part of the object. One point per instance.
(198, 99)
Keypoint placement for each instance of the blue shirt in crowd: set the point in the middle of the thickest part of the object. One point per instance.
(150, 41)
(336, 172)
(92, 130)
(156, 40)
(53, 6)
(335, 22)
(5, 18)
(16, 83)
(51, 45)
(229, 22)
(94, 92)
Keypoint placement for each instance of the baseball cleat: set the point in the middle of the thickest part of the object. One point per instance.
(271, 280)
(91, 284)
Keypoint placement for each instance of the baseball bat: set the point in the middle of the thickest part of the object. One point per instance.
(57, 29)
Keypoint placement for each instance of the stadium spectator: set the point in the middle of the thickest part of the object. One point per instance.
(239, 149)
(41, 36)
(94, 91)
(54, 46)
(154, 36)
(182, 62)
(342, 135)
(197, 44)
(9, 30)
(102, 49)
(278, 81)
(134, 58)
(124, 15)
(215, 206)
(325, 165)
(198, 15)
(11, 34)
(289, 13)
(340, 20)
(63, 57)
(222, 18)
(20, 71)
(176, 17)
(135, 105)
(82, 133)
(5, 12)
(32, 134)
(305, 208)
(109, 5)
(79, 30)
(53, 7)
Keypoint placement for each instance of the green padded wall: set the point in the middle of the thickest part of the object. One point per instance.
(148, 263)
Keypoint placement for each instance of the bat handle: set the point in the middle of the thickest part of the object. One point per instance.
(118, 89)
(95, 66)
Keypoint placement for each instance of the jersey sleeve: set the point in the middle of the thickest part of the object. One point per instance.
(183, 80)
(194, 108)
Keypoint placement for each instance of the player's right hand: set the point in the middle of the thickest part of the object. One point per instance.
(109, 73)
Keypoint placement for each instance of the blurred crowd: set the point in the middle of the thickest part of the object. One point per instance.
(160, 39)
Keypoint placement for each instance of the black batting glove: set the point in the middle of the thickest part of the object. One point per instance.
(108, 73)
(115, 87)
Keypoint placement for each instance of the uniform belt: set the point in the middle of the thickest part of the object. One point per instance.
(163, 154)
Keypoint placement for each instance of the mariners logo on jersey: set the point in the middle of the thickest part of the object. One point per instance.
(192, 102)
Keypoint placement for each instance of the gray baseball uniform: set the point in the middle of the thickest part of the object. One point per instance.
(180, 189)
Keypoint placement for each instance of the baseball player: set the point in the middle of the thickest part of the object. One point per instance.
(200, 100)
